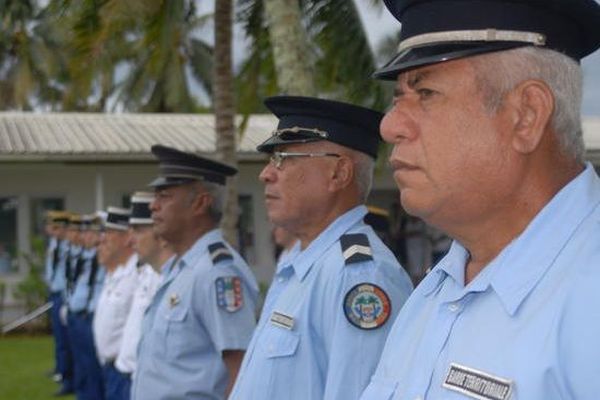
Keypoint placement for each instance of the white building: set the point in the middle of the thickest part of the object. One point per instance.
(85, 162)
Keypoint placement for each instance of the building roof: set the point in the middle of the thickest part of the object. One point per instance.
(92, 137)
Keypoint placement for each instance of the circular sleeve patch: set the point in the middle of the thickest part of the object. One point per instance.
(367, 306)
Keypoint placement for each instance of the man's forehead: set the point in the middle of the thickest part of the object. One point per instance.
(449, 68)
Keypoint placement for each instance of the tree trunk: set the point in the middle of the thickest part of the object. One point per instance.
(291, 52)
(224, 108)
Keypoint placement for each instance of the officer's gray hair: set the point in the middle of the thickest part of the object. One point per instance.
(364, 166)
(218, 194)
(498, 73)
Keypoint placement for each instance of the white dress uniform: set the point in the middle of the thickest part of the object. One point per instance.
(112, 310)
(147, 283)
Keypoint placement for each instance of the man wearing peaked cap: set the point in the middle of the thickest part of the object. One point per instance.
(115, 254)
(177, 168)
(152, 254)
(335, 295)
(57, 277)
(435, 31)
(56, 229)
(488, 148)
(87, 378)
(305, 120)
(199, 323)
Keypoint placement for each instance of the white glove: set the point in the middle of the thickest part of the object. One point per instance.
(63, 314)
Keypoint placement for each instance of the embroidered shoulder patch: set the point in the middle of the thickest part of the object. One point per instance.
(477, 384)
(356, 248)
(229, 293)
(367, 306)
(219, 252)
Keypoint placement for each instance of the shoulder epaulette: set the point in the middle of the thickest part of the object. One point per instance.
(356, 248)
(219, 252)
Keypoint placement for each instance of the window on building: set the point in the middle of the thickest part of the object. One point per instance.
(8, 234)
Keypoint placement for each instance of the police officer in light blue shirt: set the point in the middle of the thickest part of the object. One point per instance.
(58, 290)
(488, 148)
(334, 298)
(56, 223)
(199, 323)
(86, 382)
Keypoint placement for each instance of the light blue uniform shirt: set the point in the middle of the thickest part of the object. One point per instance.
(78, 300)
(527, 327)
(58, 282)
(320, 354)
(74, 254)
(188, 324)
(49, 265)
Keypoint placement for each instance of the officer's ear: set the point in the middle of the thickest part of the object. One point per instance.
(532, 105)
(200, 201)
(342, 173)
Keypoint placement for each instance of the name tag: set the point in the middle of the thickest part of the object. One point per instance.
(282, 320)
(477, 384)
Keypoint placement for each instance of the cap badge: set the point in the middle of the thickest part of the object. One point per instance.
(298, 129)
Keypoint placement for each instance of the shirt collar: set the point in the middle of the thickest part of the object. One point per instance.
(305, 259)
(520, 265)
(532, 254)
(287, 258)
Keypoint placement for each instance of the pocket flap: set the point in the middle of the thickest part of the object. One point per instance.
(281, 342)
(177, 314)
(379, 390)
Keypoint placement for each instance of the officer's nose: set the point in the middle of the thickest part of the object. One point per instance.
(268, 174)
(397, 126)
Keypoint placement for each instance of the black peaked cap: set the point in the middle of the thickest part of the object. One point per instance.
(177, 167)
(440, 30)
(309, 119)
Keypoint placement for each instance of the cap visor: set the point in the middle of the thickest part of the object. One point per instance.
(422, 56)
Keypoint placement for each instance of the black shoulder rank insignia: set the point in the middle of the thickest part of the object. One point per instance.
(219, 252)
(356, 248)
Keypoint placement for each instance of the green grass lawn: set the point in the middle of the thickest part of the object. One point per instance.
(24, 362)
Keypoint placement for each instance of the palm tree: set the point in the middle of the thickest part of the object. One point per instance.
(337, 44)
(291, 52)
(142, 54)
(28, 57)
(224, 109)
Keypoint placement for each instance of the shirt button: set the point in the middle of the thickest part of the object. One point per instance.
(418, 398)
(453, 307)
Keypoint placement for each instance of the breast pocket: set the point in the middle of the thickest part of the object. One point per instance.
(379, 390)
(176, 335)
(281, 343)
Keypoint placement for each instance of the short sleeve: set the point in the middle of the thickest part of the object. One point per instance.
(222, 300)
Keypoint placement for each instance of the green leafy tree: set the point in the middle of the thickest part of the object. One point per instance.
(29, 58)
(336, 44)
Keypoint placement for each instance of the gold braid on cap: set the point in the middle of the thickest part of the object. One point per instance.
(482, 35)
(298, 129)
